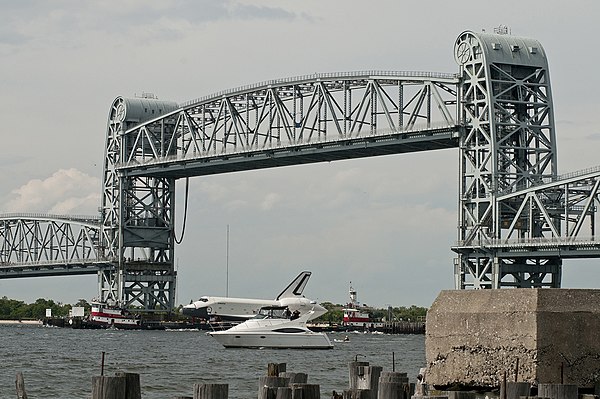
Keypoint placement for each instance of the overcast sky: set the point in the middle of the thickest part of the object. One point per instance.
(385, 223)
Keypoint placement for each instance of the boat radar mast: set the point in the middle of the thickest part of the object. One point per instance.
(353, 299)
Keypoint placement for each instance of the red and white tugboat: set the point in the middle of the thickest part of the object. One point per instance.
(107, 316)
(354, 314)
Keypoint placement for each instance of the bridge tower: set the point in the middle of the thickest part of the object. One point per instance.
(508, 145)
(137, 214)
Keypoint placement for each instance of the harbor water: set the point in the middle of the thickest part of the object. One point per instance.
(60, 362)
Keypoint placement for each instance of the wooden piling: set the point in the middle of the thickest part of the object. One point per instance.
(421, 386)
(306, 391)
(20, 384)
(295, 378)
(284, 393)
(393, 385)
(275, 393)
(211, 391)
(363, 376)
(274, 369)
(105, 387)
(514, 390)
(133, 389)
(356, 371)
(558, 391)
(461, 394)
(357, 393)
(271, 384)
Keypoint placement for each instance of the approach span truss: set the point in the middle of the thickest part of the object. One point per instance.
(34, 245)
(561, 213)
(320, 117)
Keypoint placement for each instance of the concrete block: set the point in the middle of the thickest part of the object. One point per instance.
(476, 337)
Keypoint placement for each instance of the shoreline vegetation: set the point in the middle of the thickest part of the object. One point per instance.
(13, 311)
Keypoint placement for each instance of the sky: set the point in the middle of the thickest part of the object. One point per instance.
(384, 224)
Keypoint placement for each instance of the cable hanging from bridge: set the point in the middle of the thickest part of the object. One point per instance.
(185, 206)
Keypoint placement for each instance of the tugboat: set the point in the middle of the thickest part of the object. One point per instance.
(106, 316)
(353, 314)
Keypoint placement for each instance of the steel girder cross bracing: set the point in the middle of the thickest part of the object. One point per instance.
(314, 118)
(137, 218)
(36, 245)
(509, 145)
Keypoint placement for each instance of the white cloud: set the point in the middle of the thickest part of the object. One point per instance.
(66, 191)
(270, 200)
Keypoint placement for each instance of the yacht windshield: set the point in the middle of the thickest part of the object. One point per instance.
(273, 313)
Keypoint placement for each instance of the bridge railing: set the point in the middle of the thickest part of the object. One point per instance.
(557, 179)
(577, 173)
(538, 241)
(81, 262)
(329, 75)
(49, 216)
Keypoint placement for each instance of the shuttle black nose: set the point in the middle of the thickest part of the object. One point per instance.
(195, 312)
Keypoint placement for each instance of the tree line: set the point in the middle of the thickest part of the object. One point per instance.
(335, 313)
(12, 309)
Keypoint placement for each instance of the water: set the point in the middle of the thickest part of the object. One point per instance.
(60, 363)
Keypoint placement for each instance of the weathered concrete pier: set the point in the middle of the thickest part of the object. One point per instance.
(538, 336)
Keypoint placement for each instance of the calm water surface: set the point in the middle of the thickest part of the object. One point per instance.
(60, 363)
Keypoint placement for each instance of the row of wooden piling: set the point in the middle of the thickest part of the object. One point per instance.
(365, 382)
(518, 390)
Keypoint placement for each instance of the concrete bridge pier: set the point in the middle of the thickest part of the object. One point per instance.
(539, 336)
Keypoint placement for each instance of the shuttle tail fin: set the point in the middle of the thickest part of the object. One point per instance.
(296, 287)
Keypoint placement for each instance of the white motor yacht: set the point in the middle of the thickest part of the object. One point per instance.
(274, 327)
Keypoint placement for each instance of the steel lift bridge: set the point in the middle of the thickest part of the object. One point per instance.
(517, 220)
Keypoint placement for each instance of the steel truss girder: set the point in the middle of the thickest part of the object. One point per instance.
(561, 210)
(508, 145)
(295, 112)
(49, 239)
(479, 271)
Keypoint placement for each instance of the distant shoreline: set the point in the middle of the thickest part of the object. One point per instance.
(27, 322)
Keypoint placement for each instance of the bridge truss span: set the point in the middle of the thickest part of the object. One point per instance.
(34, 245)
(316, 118)
(301, 114)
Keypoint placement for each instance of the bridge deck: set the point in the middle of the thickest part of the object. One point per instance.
(565, 248)
(51, 269)
(321, 151)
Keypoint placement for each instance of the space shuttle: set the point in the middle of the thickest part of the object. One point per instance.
(241, 309)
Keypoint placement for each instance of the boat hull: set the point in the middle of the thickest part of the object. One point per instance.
(107, 322)
(238, 339)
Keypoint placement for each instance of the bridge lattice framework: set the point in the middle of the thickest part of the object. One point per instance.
(517, 220)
